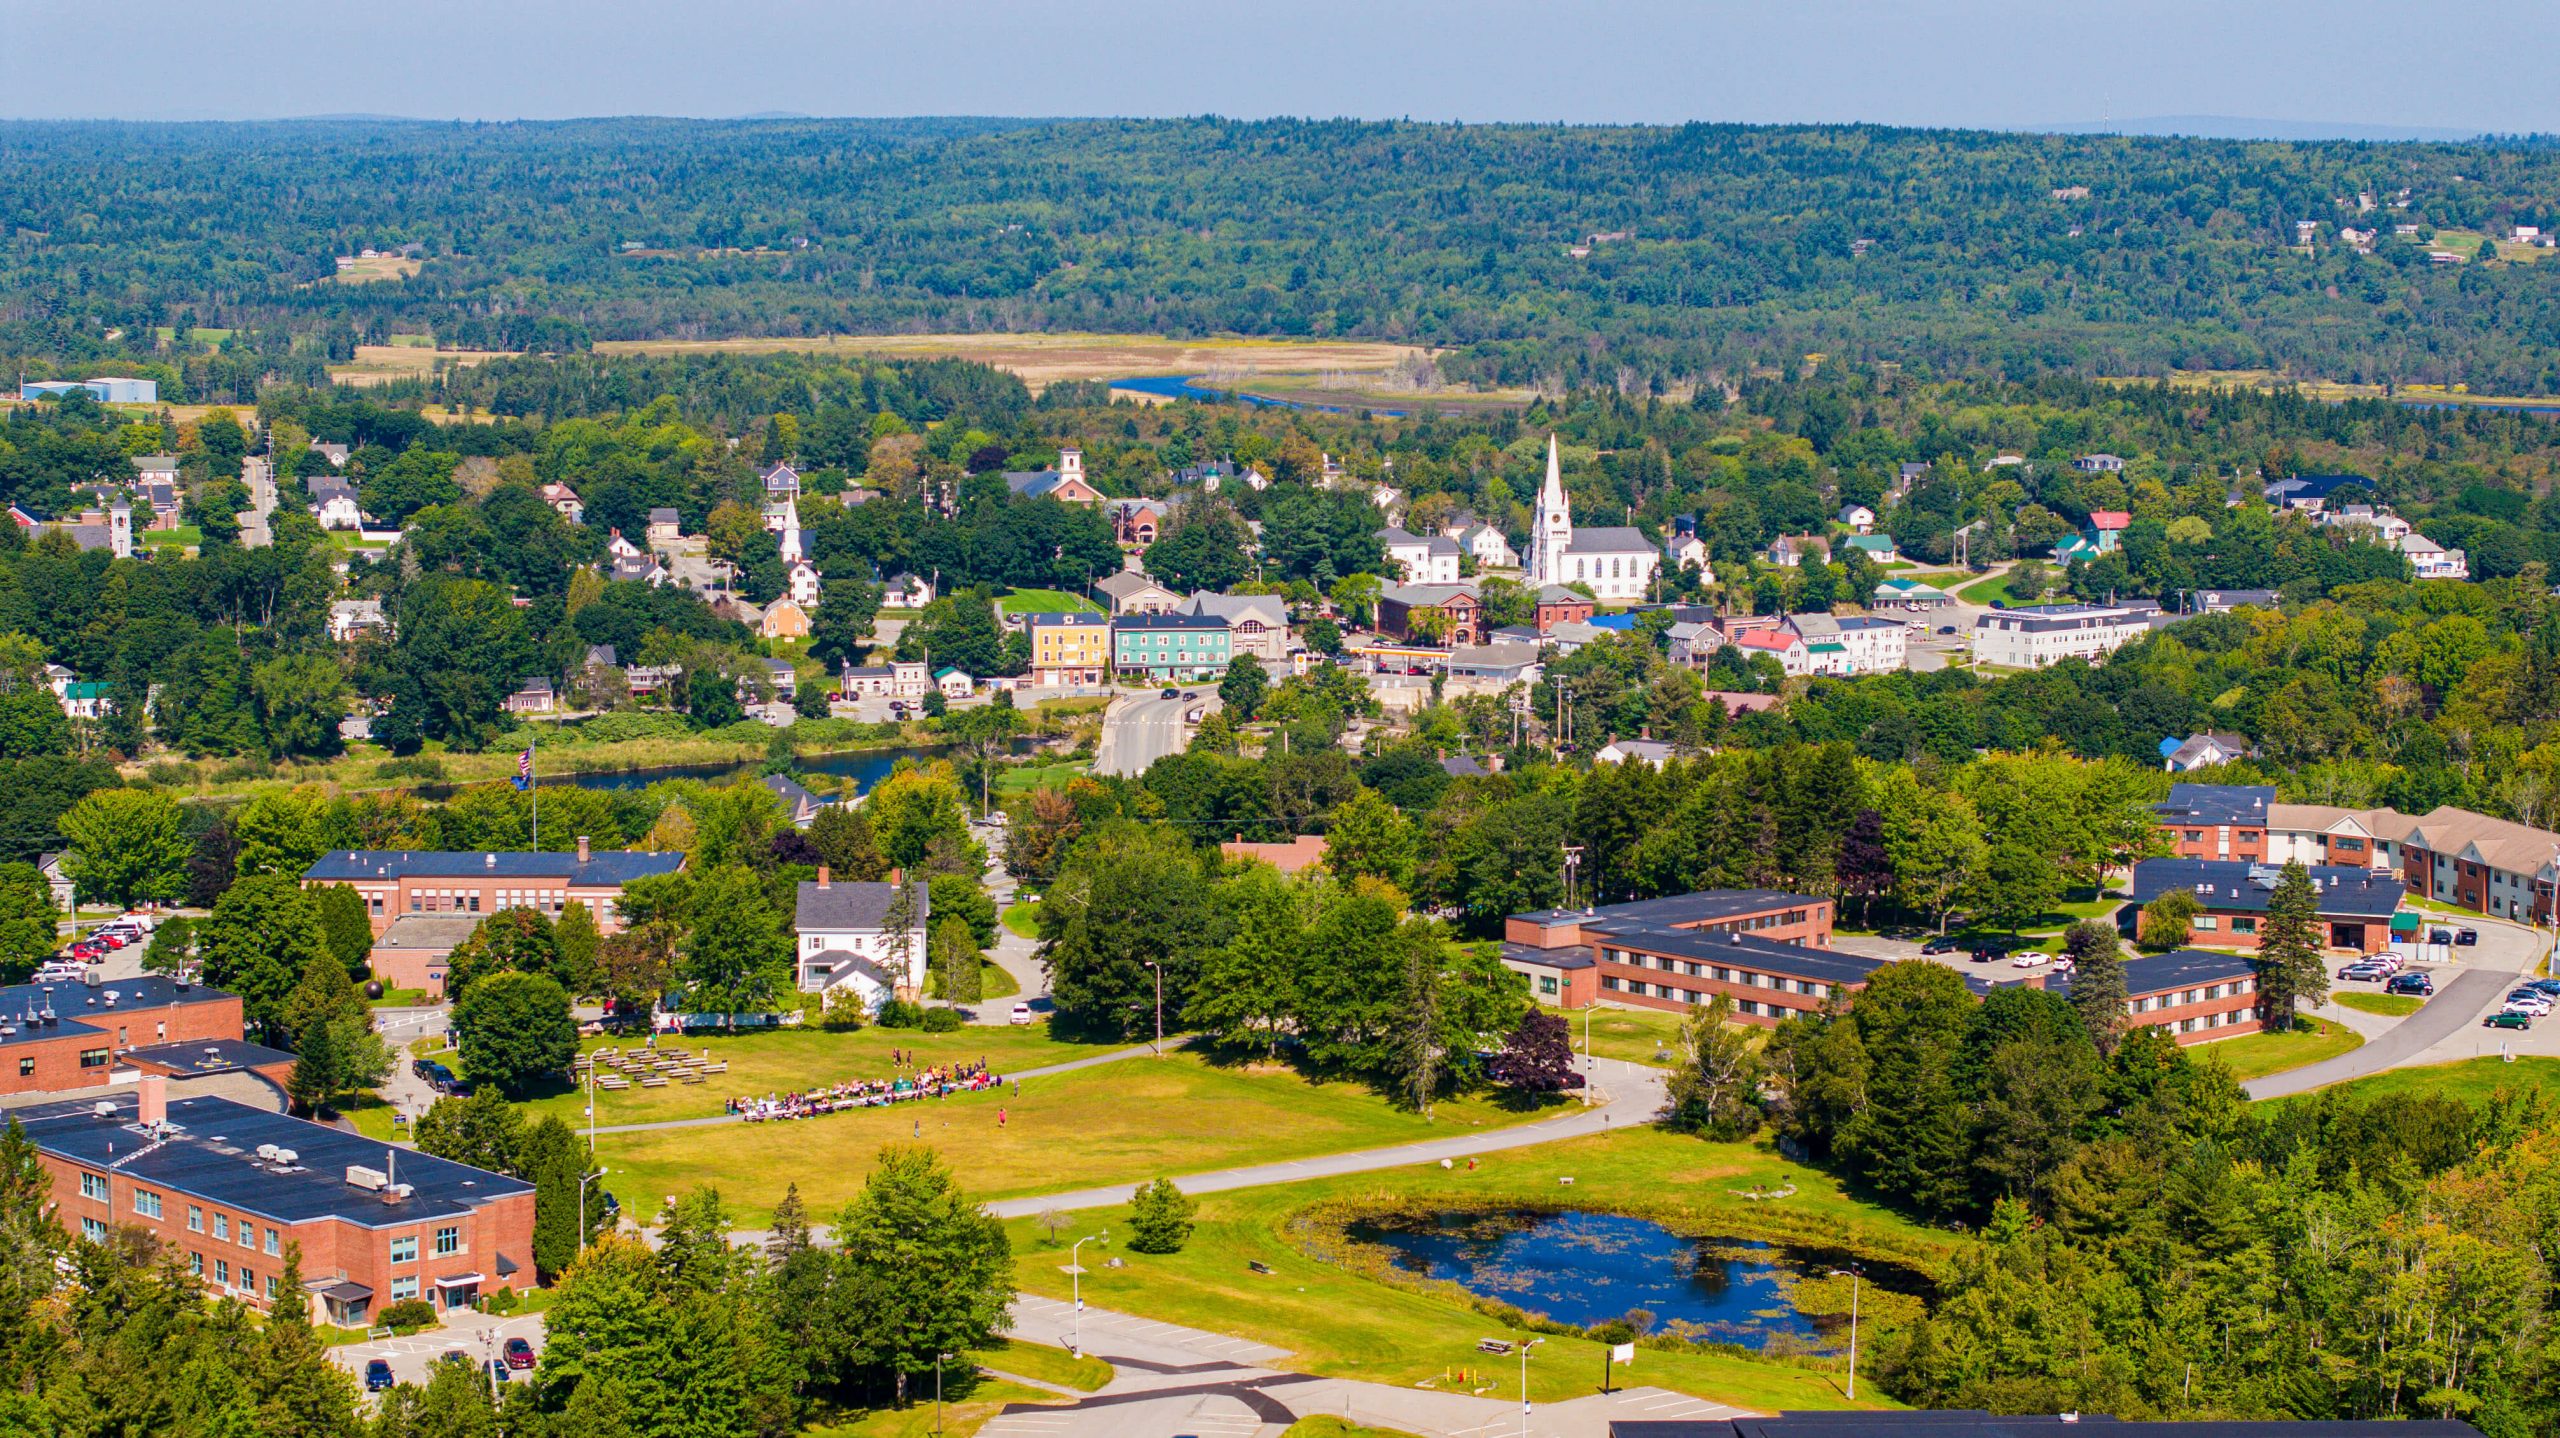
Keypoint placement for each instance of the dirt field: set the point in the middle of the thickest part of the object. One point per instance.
(381, 364)
(380, 267)
(2338, 389)
(1044, 359)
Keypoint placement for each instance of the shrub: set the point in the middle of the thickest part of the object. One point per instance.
(416, 766)
(408, 1313)
(900, 1014)
(1160, 1218)
(630, 724)
(842, 1013)
(499, 1300)
(941, 1021)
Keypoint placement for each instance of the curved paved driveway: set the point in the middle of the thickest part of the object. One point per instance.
(2459, 1005)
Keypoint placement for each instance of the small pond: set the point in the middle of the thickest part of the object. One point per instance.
(1590, 1268)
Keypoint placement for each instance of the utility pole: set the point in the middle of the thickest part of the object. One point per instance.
(1159, 973)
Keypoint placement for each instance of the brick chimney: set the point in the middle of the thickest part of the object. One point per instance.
(897, 877)
(155, 1098)
(583, 851)
(822, 876)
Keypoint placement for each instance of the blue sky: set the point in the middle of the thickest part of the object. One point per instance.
(2456, 65)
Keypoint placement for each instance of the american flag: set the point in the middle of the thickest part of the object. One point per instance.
(524, 768)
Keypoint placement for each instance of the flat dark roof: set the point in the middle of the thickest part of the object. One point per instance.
(213, 1156)
(2345, 890)
(602, 868)
(1792, 960)
(2216, 804)
(1847, 1423)
(79, 1007)
(1548, 958)
(209, 1056)
(1677, 910)
(2176, 969)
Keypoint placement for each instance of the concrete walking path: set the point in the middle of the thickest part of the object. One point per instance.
(1171, 1380)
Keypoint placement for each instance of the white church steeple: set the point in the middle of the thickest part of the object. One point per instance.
(1551, 533)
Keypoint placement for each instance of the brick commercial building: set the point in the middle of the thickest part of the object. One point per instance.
(1769, 951)
(2190, 994)
(2216, 821)
(419, 881)
(2355, 903)
(228, 1187)
(69, 1036)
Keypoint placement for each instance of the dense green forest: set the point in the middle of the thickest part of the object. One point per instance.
(1710, 248)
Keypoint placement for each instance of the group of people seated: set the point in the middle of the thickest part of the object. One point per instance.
(935, 1081)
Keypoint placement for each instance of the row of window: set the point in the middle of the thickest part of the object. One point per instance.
(1696, 998)
(2240, 923)
(1783, 919)
(89, 1058)
(247, 1281)
(223, 1228)
(2207, 1021)
(2180, 997)
(448, 1241)
(1718, 972)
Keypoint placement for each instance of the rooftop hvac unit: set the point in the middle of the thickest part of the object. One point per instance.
(360, 1176)
(103, 1109)
(268, 1151)
(287, 1157)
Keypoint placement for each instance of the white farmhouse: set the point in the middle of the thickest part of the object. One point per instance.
(844, 938)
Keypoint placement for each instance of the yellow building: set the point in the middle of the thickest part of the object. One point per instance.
(1070, 649)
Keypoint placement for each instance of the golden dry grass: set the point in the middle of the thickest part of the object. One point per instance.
(381, 364)
(1044, 359)
(379, 267)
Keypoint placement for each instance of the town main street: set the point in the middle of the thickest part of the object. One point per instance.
(1139, 730)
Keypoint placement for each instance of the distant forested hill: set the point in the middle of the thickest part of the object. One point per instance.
(1723, 246)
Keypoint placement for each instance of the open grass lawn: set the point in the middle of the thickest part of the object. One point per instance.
(1044, 1363)
(995, 983)
(2387, 1005)
(964, 1411)
(1022, 920)
(1046, 601)
(2471, 1080)
(370, 1115)
(1042, 359)
(1630, 1034)
(778, 1060)
(1027, 777)
(2257, 1055)
(1118, 1122)
(1336, 1322)
(1984, 591)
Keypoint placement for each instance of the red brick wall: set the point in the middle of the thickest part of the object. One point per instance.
(56, 1056)
(331, 1248)
(2246, 842)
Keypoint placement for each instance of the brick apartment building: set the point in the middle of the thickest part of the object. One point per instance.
(1768, 951)
(229, 1187)
(2217, 821)
(2355, 903)
(2451, 856)
(419, 881)
(70, 1036)
(2192, 995)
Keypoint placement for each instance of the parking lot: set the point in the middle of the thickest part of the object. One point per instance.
(477, 1336)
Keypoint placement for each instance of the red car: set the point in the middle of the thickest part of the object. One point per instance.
(519, 1353)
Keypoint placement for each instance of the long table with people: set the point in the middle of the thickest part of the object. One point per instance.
(919, 1082)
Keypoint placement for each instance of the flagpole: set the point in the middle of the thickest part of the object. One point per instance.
(533, 781)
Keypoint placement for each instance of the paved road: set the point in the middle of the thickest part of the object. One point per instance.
(1171, 1380)
(2456, 1007)
(255, 472)
(1136, 732)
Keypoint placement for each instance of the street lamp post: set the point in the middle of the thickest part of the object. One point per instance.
(1853, 1275)
(1159, 973)
(1075, 1274)
(1525, 1345)
(938, 1360)
(582, 1204)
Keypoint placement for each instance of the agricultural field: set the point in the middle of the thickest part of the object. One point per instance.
(1044, 359)
(382, 364)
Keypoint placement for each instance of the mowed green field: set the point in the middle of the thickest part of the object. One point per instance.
(788, 1060)
(2257, 1055)
(1125, 1121)
(2471, 1080)
(1047, 601)
(1336, 1322)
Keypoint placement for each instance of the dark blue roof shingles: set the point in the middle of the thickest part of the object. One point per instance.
(605, 868)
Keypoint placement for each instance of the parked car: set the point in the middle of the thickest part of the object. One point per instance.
(2531, 1002)
(2508, 1019)
(2363, 972)
(2464, 938)
(377, 1374)
(519, 1353)
(1170, 694)
(2031, 960)
(2546, 986)
(498, 1370)
(2439, 936)
(453, 1355)
(2418, 984)
(1940, 946)
(1022, 1013)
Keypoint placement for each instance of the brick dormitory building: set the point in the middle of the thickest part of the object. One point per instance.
(229, 1187)
(1770, 952)
(2472, 861)
(424, 902)
(94, 1032)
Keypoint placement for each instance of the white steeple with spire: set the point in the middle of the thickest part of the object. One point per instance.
(1551, 533)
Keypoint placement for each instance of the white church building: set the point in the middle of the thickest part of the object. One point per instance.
(1617, 564)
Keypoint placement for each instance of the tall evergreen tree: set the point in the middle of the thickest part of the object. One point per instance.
(2097, 980)
(2290, 973)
